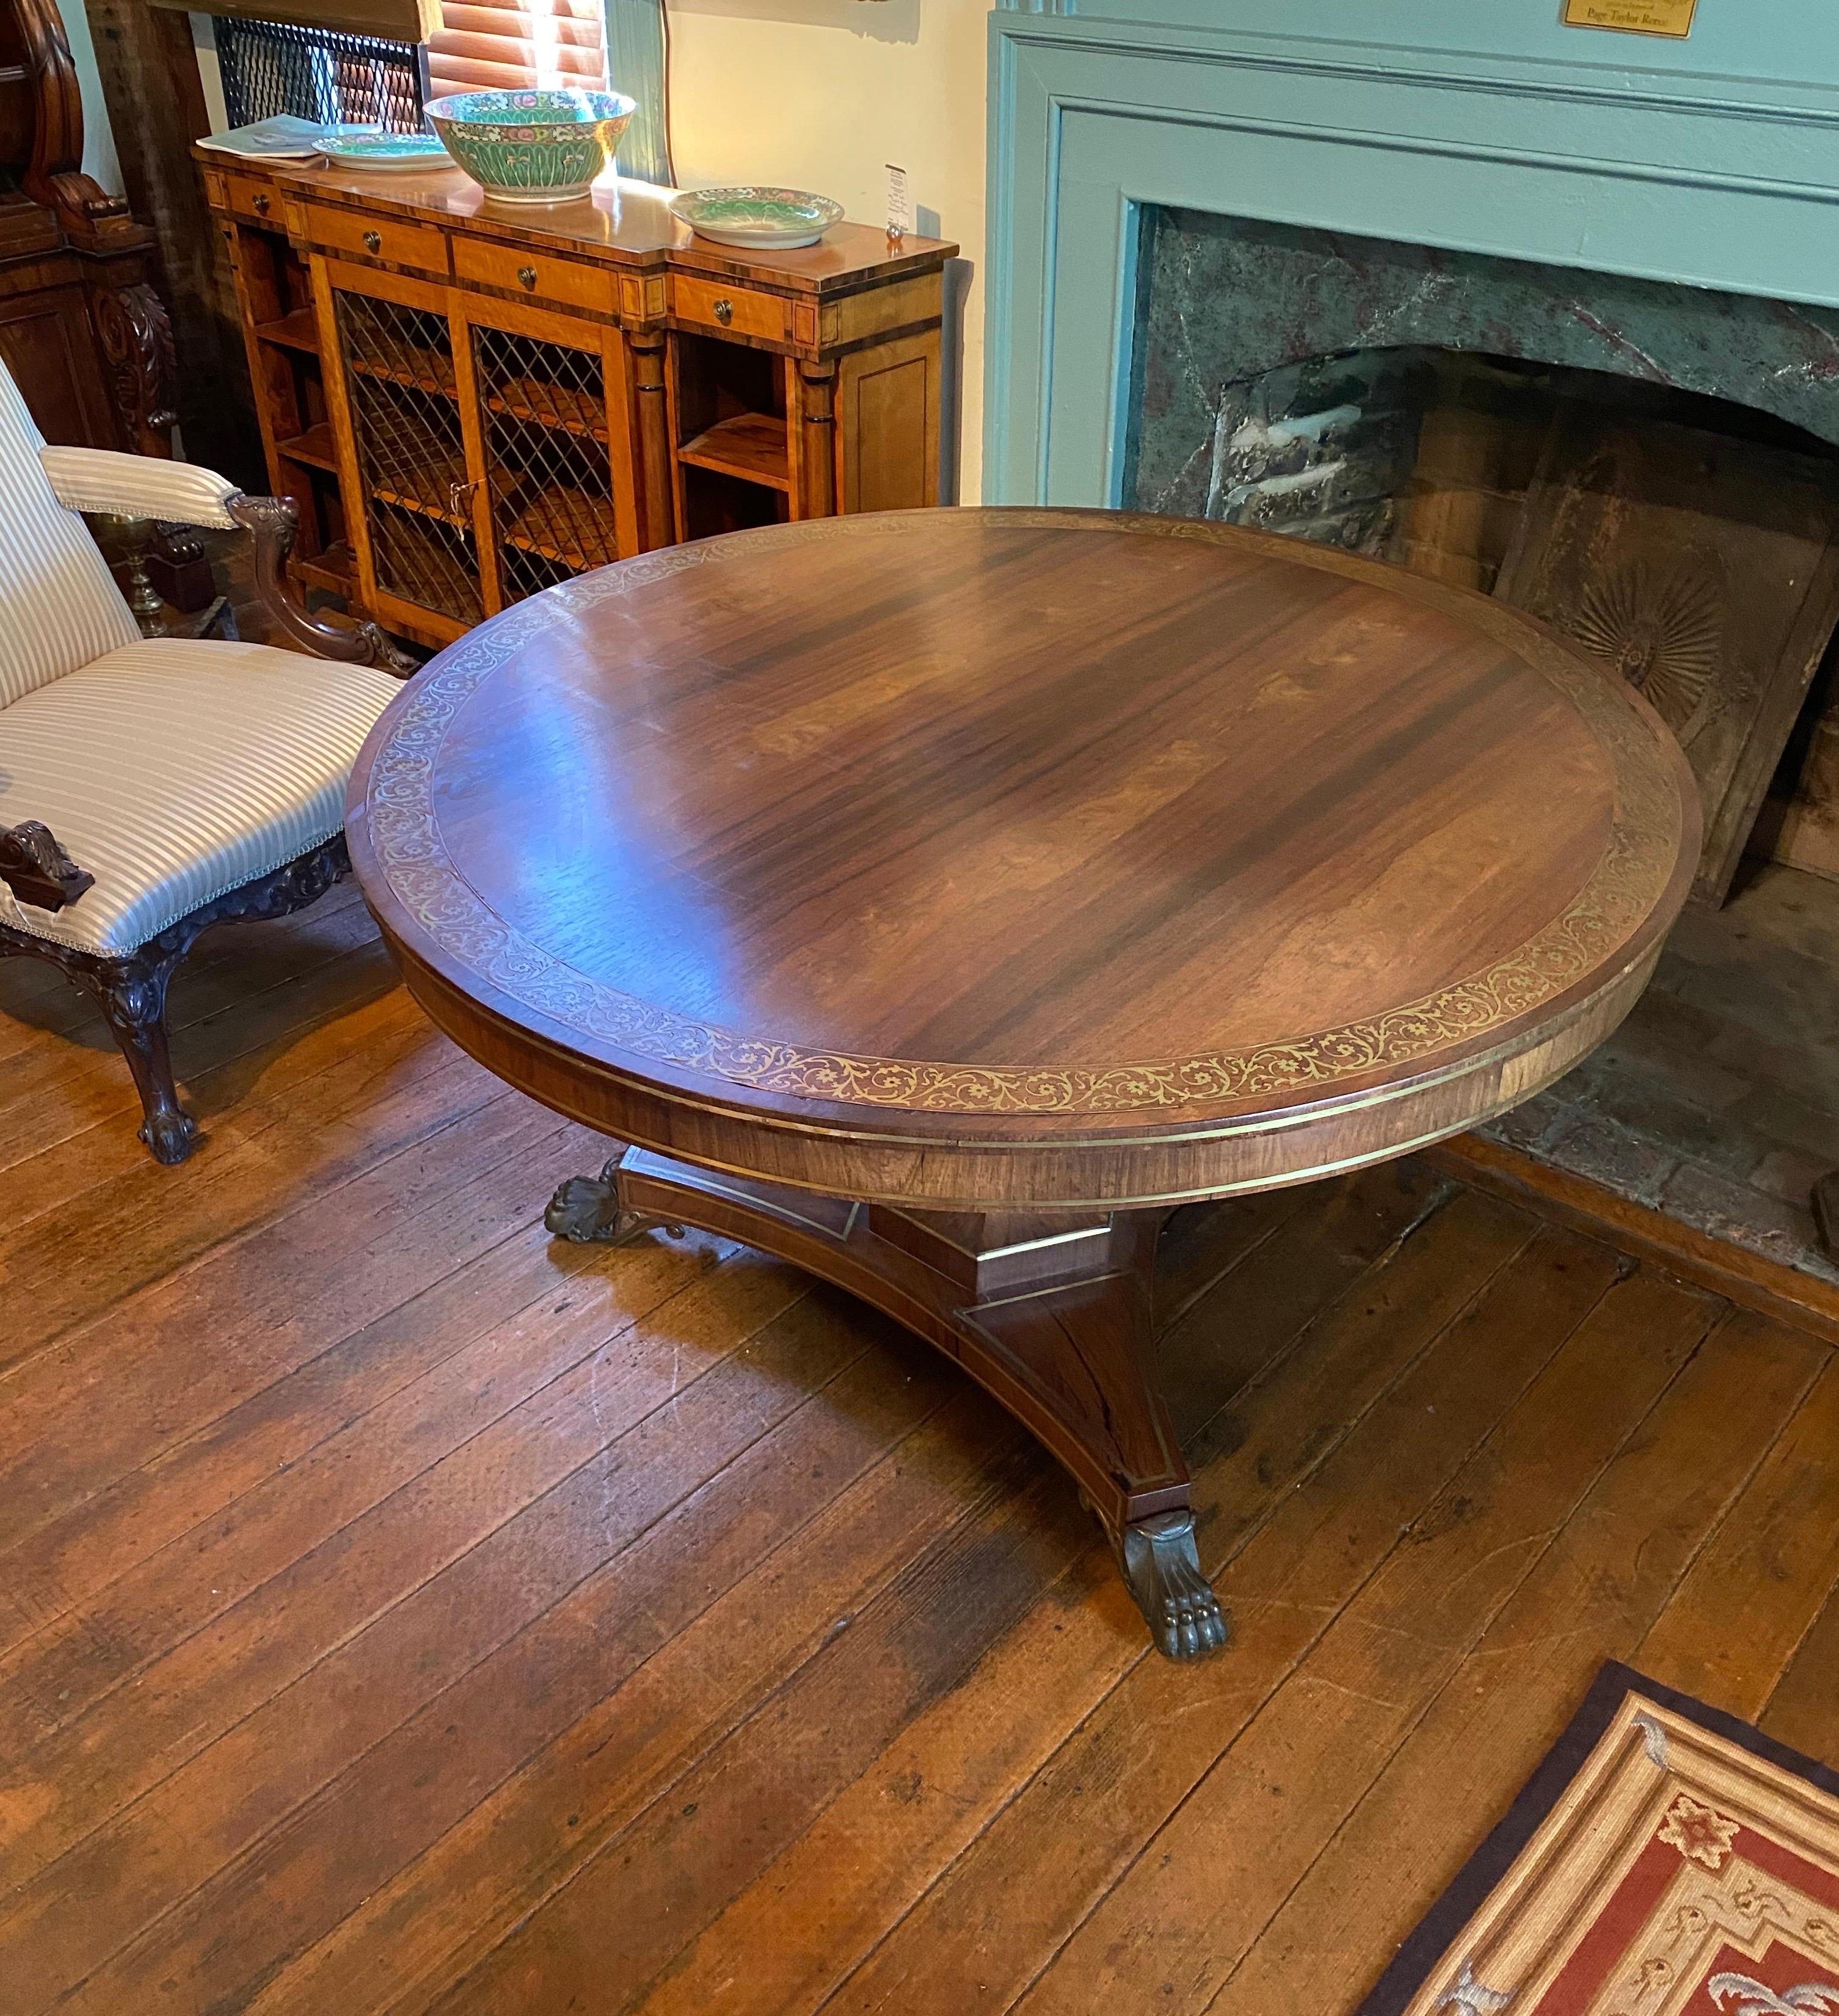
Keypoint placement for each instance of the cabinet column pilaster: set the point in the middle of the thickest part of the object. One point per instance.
(655, 516)
(817, 461)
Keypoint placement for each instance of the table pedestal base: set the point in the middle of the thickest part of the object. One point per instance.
(1050, 1313)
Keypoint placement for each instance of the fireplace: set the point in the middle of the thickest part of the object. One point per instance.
(1638, 464)
(1557, 320)
(1644, 466)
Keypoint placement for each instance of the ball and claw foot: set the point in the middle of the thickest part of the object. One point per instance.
(1162, 1567)
(171, 1134)
(586, 1209)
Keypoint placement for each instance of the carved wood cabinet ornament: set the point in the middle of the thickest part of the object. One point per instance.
(82, 327)
(468, 405)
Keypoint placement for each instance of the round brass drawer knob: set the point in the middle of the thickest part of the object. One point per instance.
(373, 241)
(723, 311)
(527, 276)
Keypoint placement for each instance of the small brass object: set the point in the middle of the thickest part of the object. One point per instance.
(261, 205)
(373, 241)
(723, 312)
(527, 276)
(1632, 17)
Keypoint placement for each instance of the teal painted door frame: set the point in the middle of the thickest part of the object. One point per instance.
(635, 64)
(1604, 151)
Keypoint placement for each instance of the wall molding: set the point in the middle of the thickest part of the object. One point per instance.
(1669, 178)
(1065, 26)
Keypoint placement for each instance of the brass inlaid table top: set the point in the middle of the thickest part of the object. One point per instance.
(1005, 870)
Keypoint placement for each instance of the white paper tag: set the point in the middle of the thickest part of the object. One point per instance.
(900, 202)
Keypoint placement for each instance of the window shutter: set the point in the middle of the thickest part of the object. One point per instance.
(518, 46)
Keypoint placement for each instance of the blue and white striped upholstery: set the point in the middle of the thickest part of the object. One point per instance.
(173, 771)
(59, 607)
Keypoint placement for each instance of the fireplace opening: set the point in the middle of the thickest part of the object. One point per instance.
(1653, 470)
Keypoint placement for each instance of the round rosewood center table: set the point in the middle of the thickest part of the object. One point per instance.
(938, 899)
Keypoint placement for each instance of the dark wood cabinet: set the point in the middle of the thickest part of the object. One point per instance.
(46, 341)
(82, 328)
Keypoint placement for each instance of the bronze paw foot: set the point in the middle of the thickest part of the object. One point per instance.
(587, 1210)
(1162, 1568)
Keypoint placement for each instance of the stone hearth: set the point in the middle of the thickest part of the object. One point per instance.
(1717, 1102)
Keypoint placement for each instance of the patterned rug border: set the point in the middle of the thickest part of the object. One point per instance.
(1442, 1925)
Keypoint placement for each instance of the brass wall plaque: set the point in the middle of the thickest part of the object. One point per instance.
(1633, 17)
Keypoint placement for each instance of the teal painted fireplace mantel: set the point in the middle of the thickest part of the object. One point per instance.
(1475, 125)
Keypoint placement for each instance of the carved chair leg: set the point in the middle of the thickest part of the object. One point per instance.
(130, 989)
(132, 995)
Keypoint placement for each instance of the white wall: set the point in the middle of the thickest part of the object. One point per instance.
(210, 75)
(99, 139)
(818, 95)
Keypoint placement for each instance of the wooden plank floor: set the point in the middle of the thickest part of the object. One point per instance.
(399, 1613)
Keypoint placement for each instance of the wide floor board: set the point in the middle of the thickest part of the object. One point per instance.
(402, 1613)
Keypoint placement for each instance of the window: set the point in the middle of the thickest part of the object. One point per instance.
(518, 46)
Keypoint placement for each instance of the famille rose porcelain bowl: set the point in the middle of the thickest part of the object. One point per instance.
(767, 219)
(532, 146)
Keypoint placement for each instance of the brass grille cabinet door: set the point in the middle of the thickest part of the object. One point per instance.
(403, 394)
(557, 491)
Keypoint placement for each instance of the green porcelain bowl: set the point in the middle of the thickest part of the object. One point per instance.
(767, 219)
(532, 146)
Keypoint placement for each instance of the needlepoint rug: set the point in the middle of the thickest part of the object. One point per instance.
(1665, 1859)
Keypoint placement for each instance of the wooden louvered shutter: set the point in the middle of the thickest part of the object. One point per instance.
(536, 45)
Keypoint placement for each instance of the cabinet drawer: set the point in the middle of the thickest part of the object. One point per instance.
(245, 197)
(417, 245)
(532, 276)
(733, 309)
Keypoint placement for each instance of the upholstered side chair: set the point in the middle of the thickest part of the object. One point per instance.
(150, 788)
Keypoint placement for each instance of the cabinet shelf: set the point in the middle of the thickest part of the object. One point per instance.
(556, 407)
(751, 446)
(314, 447)
(423, 507)
(453, 447)
(297, 331)
(334, 569)
(567, 527)
(429, 372)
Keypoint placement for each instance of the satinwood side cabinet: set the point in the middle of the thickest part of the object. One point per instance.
(469, 403)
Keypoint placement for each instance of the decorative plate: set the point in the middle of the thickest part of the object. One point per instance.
(388, 153)
(763, 219)
(284, 137)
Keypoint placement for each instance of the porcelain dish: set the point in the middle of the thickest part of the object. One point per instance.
(761, 218)
(284, 137)
(532, 146)
(384, 154)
